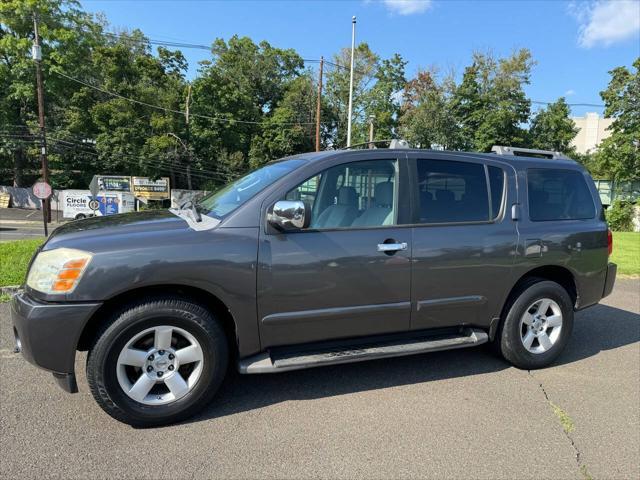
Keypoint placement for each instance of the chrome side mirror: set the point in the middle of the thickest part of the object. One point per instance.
(289, 215)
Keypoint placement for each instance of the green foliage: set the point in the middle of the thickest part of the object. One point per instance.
(620, 216)
(490, 103)
(427, 117)
(626, 252)
(251, 102)
(14, 260)
(552, 128)
(618, 156)
(488, 107)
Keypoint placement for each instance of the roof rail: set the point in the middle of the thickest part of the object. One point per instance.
(528, 152)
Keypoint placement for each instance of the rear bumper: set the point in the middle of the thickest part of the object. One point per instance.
(47, 334)
(612, 269)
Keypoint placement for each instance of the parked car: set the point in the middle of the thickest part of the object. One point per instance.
(312, 260)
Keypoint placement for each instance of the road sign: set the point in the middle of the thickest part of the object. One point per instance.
(42, 190)
(93, 186)
(94, 205)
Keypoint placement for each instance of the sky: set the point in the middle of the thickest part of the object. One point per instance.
(575, 43)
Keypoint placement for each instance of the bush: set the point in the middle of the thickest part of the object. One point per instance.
(620, 216)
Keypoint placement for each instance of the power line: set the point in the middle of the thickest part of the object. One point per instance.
(170, 110)
(163, 164)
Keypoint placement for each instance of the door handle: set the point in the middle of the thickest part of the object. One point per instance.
(392, 247)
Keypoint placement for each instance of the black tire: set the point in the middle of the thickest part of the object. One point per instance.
(80, 216)
(135, 318)
(510, 335)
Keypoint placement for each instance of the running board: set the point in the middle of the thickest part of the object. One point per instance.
(276, 361)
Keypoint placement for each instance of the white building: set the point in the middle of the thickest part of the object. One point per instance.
(592, 130)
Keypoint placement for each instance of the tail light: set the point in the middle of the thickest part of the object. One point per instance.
(609, 241)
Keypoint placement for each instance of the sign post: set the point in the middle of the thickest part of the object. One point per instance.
(42, 190)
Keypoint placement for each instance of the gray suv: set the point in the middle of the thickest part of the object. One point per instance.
(312, 260)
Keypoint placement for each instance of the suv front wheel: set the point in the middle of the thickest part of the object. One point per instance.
(538, 324)
(157, 361)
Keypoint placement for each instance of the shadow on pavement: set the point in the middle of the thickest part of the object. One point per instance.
(596, 329)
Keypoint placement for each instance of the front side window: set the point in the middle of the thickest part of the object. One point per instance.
(357, 194)
(452, 192)
(230, 197)
(558, 195)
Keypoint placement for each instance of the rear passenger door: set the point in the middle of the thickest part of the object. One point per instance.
(464, 240)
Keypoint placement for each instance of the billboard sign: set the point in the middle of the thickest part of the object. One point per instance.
(113, 183)
(144, 187)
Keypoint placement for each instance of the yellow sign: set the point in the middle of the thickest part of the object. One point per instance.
(158, 189)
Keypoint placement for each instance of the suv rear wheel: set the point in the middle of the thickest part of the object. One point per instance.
(158, 361)
(538, 324)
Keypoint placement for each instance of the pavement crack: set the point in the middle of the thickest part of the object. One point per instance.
(568, 426)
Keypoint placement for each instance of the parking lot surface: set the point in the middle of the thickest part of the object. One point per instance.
(457, 414)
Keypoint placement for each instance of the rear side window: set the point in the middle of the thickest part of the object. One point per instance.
(558, 195)
(496, 184)
(452, 192)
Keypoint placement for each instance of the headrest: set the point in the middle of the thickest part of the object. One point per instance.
(445, 196)
(347, 196)
(384, 193)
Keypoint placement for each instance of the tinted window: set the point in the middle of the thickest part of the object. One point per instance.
(496, 184)
(230, 197)
(452, 192)
(357, 194)
(558, 195)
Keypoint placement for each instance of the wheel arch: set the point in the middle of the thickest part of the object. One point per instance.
(198, 295)
(555, 273)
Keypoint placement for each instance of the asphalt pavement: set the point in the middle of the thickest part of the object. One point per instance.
(21, 223)
(456, 414)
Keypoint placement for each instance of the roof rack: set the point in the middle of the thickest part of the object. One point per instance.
(393, 143)
(528, 152)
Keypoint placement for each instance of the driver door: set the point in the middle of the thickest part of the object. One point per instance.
(331, 280)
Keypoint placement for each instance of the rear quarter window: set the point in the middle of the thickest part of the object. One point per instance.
(558, 195)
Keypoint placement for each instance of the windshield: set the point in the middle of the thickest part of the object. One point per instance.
(228, 198)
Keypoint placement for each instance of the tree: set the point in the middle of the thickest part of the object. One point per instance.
(67, 36)
(618, 156)
(290, 129)
(241, 86)
(552, 129)
(382, 101)
(490, 103)
(427, 118)
(337, 92)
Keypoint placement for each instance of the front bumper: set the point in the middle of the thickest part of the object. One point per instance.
(612, 269)
(47, 334)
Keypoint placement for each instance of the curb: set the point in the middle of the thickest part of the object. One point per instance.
(9, 290)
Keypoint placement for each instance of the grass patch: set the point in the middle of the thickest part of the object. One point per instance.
(4, 298)
(626, 252)
(565, 420)
(14, 260)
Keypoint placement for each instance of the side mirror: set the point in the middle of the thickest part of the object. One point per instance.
(289, 215)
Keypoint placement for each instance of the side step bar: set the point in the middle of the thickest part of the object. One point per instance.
(276, 361)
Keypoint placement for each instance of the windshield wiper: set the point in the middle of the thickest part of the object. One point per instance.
(193, 208)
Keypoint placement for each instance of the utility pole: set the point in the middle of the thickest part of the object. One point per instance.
(353, 48)
(36, 53)
(319, 105)
(371, 120)
(188, 148)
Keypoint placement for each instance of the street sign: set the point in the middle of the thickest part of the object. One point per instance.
(42, 190)
(94, 205)
(93, 186)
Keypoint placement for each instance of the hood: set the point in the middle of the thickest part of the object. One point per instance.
(93, 233)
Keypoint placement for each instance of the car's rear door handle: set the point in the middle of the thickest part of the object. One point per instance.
(392, 247)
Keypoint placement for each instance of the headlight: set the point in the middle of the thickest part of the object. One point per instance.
(58, 271)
